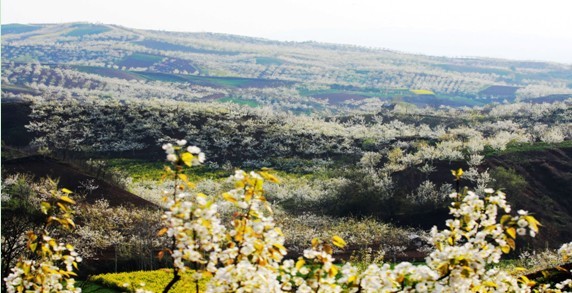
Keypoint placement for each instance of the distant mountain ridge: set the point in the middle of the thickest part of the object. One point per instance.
(312, 72)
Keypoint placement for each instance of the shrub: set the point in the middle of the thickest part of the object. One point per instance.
(508, 179)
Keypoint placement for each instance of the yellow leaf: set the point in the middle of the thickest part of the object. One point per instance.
(511, 232)
(229, 197)
(532, 222)
(45, 207)
(333, 271)
(490, 284)
(490, 228)
(187, 158)
(338, 241)
(505, 218)
(162, 231)
(466, 271)
(300, 263)
(511, 243)
(505, 249)
(457, 173)
(65, 198)
(562, 269)
(527, 281)
(62, 207)
(315, 242)
(328, 249)
(183, 177)
(67, 191)
(443, 269)
(269, 177)
(280, 247)
(450, 240)
(70, 222)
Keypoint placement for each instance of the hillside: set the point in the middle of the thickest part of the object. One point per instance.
(81, 59)
(73, 179)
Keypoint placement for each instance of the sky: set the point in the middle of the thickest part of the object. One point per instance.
(524, 30)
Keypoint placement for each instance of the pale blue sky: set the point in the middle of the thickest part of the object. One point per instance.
(525, 29)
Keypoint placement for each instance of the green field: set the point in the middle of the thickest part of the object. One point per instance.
(528, 147)
(139, 60)
(81, 30)
(109, 72)
(18, 28)
(268, 61)
(212, 81)
(142, 170)
(249, 103)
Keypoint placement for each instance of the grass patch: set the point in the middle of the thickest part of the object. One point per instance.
(91, 287)
(87, 29)
(108, 72)
(249, 103)
(527, 147)
(157, 76)
(139, 60)
(139, 170)
(17, 28)
(142, 170)
(268, 61)
(154, 281)
(210, 81)
(423, 92)
(166, 46)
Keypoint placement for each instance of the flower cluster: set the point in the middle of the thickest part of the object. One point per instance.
(255, 246)
(566, 251)
(51, 264)
(195, 228)
(190, 220)
(196, 156)
(248, 256)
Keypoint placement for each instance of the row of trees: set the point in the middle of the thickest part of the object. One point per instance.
(253, 134)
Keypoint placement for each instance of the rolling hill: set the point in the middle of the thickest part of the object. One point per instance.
(105, 56)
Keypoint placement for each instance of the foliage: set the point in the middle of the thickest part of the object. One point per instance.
(48, 265)
(509, 179)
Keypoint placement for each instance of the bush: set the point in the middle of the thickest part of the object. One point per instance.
(508, 179)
